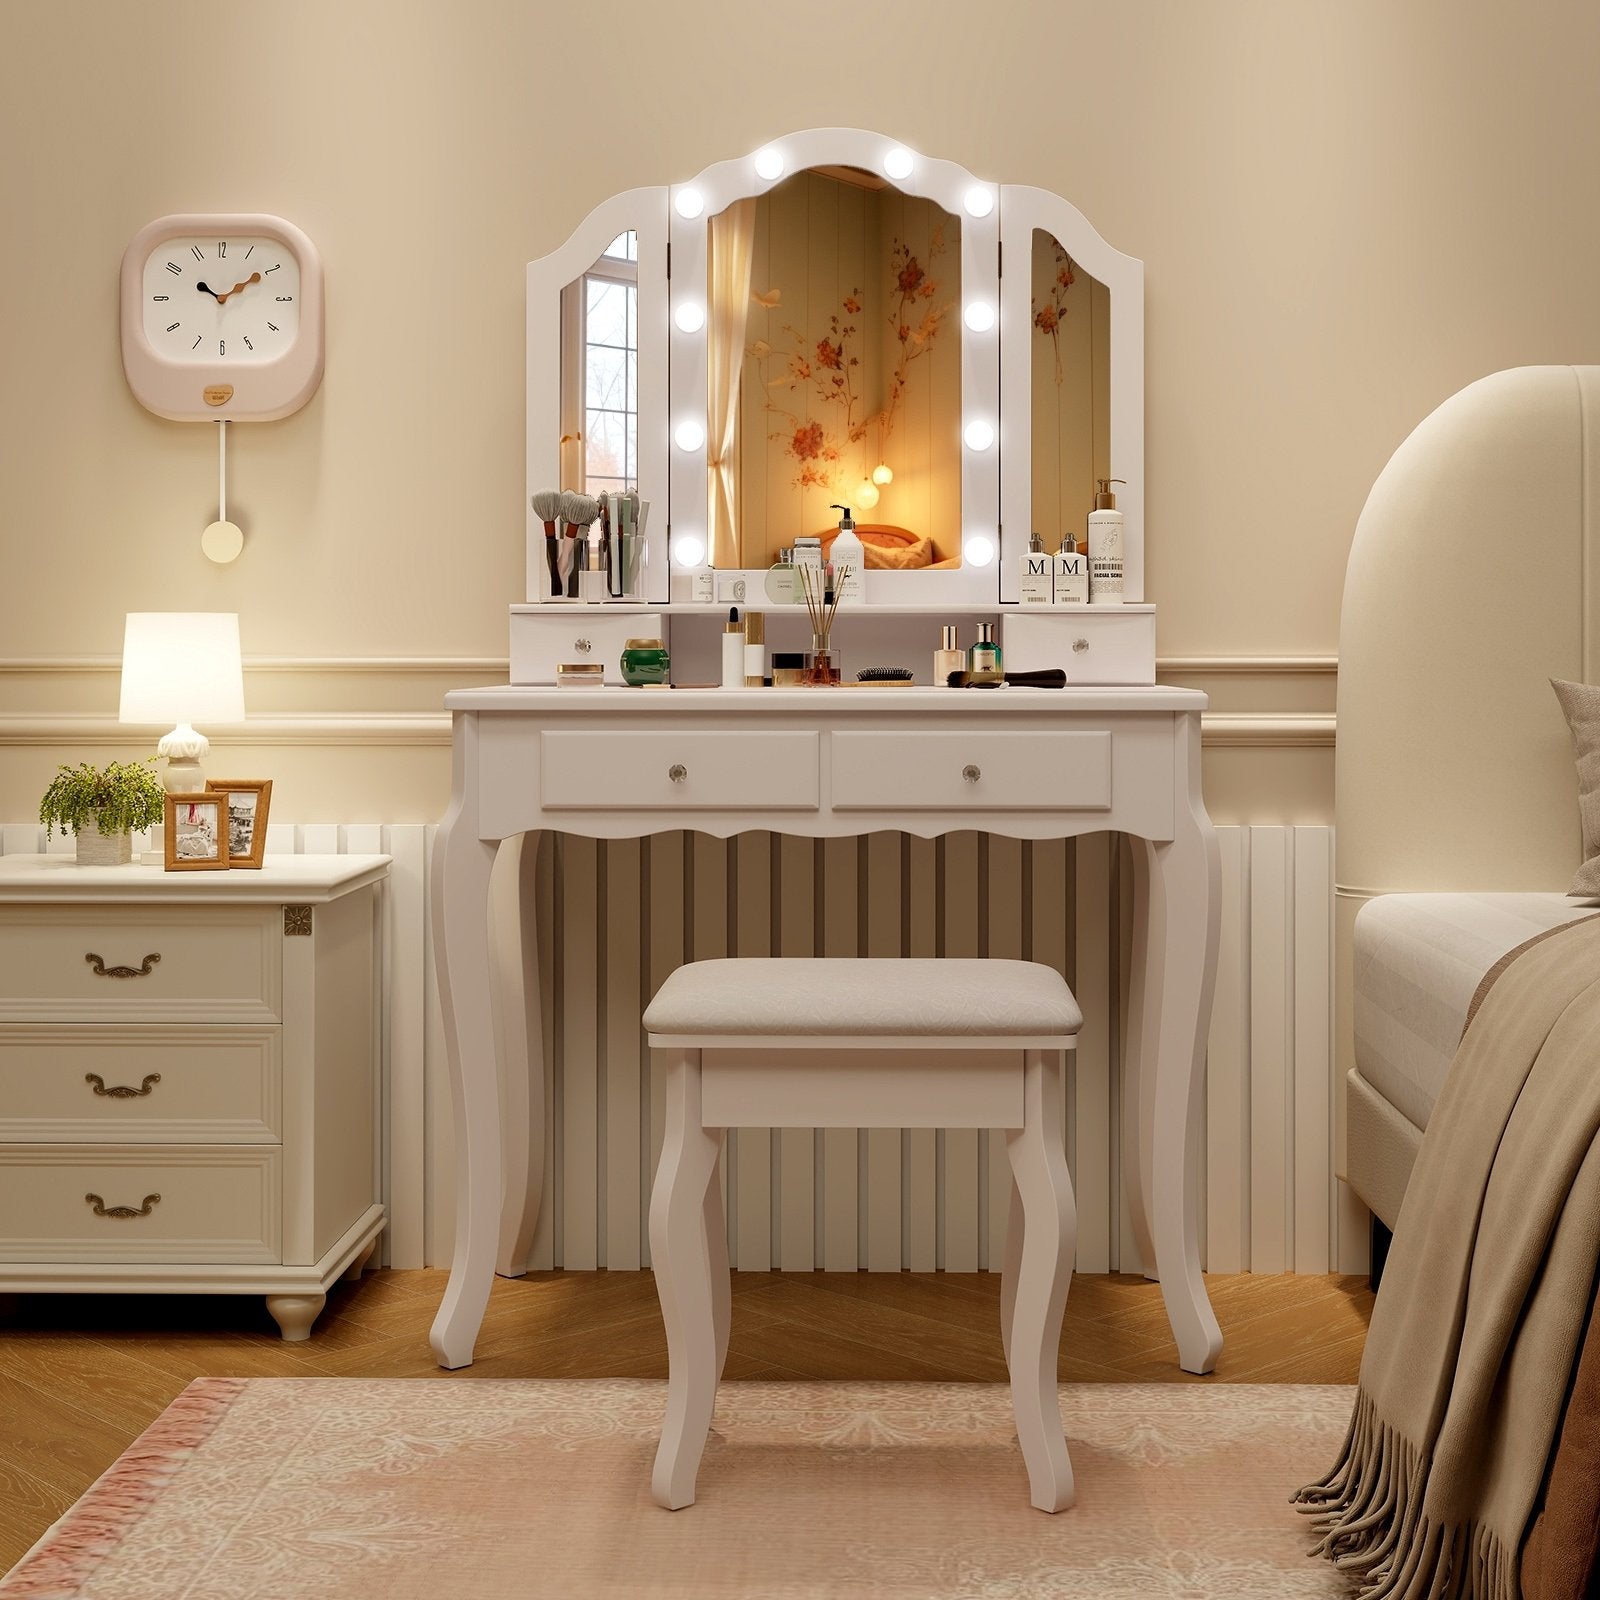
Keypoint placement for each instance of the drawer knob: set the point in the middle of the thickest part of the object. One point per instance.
(101, 1209)
(971, 772)
(1079, 646)
(582, 646)
(121, 1091)
(101, 970)
(677, 772)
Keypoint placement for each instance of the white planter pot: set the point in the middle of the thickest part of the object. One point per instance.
(96, 849)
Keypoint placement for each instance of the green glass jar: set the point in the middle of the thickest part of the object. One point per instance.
(645, 661)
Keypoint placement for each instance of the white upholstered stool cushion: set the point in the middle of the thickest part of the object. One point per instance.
(783, 996)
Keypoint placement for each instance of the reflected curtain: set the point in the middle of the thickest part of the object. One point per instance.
(732, 244)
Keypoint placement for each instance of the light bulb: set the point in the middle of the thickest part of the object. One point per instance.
(769, 162)
(688, 551)
(979, 200)
(979, 316)
(689, 202)
(899, 162)
(978, 550)
(690, 316)
(979, 435)
(866, 495)
(883, 473)
(690, 435)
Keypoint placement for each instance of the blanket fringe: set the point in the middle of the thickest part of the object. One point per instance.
(1368, 1510)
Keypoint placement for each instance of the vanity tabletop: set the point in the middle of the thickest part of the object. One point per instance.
(846, 700)
(307, 878)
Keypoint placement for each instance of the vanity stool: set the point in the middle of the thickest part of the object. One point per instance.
(786, 1043)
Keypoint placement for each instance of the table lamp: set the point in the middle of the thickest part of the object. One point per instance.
(182, 667)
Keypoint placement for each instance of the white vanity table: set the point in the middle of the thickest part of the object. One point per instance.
(766, 368)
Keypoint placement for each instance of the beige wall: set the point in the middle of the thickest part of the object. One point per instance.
(1346, 211)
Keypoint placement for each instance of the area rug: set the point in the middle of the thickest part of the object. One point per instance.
(434, 1489)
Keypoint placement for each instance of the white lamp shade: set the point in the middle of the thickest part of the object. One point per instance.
(181, 666)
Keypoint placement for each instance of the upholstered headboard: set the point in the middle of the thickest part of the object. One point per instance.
(1474, 579)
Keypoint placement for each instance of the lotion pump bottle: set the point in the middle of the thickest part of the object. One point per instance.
(1037, 578)
(847, 552)
(733, 651)
(1105, 547)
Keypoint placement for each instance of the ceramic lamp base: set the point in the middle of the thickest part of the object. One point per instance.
(183, 748)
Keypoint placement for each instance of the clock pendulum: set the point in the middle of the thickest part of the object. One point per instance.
(223, 540)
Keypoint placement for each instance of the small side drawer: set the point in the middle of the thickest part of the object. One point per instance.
(691, 771)
(1113, 645)
(542, 641)
(1055, 771)
(139, 1085)
(199, 1203)
(140, 963)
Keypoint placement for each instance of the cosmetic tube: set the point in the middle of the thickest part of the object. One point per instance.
(733, 651)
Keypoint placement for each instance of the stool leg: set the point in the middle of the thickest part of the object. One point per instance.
(1049, 1238)
(682, 1256)
(1008, 1271)
(716, 1223)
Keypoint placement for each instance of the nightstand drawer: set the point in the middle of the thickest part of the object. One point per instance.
(977, 771)
(89, 1084)
(207, 1203)
(690, 771)
(140, 963)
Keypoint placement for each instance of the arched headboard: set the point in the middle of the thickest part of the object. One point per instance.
(1473, 580)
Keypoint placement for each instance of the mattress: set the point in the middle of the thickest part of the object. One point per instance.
(1418, 959)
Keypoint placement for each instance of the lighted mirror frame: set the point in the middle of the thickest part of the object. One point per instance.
(942, 182)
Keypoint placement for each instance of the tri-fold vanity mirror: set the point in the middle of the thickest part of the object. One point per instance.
(835, 320)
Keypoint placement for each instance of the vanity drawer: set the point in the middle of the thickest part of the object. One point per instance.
(139, 1085)
(139, 963)
(1090, 646)
(205, 1203)
(542, 640)
(1045, 771)
(692, 771)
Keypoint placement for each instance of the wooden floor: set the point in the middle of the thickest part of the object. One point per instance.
(81, 1376)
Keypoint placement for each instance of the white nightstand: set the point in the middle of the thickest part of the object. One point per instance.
(188, 1079)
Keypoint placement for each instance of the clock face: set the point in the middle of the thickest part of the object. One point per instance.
(221, 297)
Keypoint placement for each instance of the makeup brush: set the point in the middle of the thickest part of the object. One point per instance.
(577, 512)
(547, 507)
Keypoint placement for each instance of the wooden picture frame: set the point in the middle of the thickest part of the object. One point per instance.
(194, 833)
(254, 802)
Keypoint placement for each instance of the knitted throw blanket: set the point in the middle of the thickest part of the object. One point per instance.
(1484, 1297)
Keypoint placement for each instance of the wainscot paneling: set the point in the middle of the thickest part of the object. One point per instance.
(612, 919)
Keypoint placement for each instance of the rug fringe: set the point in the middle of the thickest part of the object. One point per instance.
(58, 1565)
(1368, 1510)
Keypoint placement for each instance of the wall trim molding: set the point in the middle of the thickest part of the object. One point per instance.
(494, 667)
(1237, 731)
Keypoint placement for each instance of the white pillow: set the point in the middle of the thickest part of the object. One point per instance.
(1581, 702)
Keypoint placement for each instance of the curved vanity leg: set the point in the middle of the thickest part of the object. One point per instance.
(521, 1038)
(1185, 912)
(717, 1254)
(1044, 1272)
(1139, 1060)
(1008, 1269)
(294, 1314)
(682, 1253)
(462, 864)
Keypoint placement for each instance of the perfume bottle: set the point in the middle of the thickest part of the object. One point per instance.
(949, 657)
(984, 662)
(780, 581)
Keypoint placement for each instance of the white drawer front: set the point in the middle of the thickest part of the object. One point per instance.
(217, 1203)
(140, 963)
(691, 771)
(147, 1085)
(1043, 771)
(540, 643)
(1091, 647)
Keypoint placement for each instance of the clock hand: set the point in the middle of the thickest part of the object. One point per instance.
(255, 277)
(210, 291)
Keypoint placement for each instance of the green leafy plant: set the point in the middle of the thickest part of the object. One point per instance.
(123, 798)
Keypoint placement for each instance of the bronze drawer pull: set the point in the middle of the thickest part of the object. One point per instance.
(101, 970)
(101, 1209)
(121, 1091)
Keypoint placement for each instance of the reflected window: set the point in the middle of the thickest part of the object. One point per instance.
(605, 391)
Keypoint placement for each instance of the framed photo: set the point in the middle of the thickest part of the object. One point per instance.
(249, 799)
(196, 833)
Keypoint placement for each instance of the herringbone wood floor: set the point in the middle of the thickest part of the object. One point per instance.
(81, 1376)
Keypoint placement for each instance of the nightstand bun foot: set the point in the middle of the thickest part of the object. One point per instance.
(294, 1314)
(352, 1273)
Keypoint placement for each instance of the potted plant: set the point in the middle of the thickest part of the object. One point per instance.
(103, 808)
